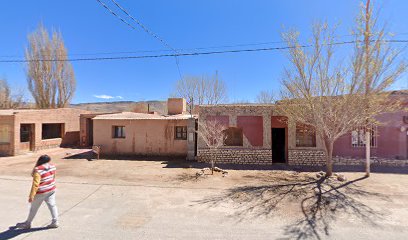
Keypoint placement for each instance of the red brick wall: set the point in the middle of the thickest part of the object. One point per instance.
(252, 127)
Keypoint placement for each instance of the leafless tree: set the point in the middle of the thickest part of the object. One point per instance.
(212, 133)
(318, 91)
(376, 64)
(266, 97)
(8, 100)
(50, 80)
(335, 99)
(198, 90)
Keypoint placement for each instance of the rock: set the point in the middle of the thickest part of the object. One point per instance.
(341, 178)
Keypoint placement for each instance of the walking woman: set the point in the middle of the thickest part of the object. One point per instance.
(43, 189)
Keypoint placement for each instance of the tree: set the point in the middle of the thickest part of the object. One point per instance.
(7, 99)
(318, 92)
(198, 90)
(265, 97)
(212, 132)
(50, 75)
(376, 64)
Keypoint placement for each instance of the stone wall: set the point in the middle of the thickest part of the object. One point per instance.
(349, 161)
(306, 157)
(236, 156)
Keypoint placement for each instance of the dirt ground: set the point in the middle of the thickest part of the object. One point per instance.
(163, 199)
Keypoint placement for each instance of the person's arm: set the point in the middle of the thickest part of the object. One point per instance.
(35, 185)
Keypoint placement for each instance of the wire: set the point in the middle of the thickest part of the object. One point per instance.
(181, 54)
(151, 33)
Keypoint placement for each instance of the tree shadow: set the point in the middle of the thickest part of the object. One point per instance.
(322, 202)
(13, 232)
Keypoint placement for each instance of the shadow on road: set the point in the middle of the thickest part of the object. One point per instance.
(13, 232)
(322, 202)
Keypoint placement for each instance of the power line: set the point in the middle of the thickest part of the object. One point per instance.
(151, 33)
(182, 54)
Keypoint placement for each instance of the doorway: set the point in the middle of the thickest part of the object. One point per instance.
(278, 145)
(90, 131)
(27, 138)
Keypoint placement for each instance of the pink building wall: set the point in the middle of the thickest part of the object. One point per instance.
(391, 141)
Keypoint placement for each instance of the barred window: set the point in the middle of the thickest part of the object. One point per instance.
(358, 137)
(180, 133)
(118, 132)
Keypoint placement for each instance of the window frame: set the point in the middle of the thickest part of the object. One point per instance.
(300, 136)
(121, 134)
(60, 135)
(233, 142)
(357, 137)
(180, 132)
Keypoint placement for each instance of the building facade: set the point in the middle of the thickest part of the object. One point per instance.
(257, 134)
(27, 130)
(146, 134)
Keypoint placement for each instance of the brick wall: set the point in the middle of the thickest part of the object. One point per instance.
(306, 157)
(236, 156)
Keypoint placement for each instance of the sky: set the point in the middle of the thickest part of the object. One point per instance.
(89, 30)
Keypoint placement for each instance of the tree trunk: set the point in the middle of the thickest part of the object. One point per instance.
(213, 162)
(367, 82)
(329, 157)
(367, 153)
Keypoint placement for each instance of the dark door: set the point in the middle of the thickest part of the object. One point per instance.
(278, 145)
(90, 132)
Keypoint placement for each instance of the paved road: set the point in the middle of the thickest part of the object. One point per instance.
(112, 199)
(92, 211)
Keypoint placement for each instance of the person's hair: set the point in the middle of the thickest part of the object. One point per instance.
(43, 159)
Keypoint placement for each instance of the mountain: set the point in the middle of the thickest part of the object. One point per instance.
(122, 106)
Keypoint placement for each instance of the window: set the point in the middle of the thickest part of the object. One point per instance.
(358, 137)
(180, 133)
(118, 132)
(4, 133)
(52, 130)
(305, 136)
(234, 136)
(25, 132)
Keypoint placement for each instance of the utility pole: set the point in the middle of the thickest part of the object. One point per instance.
(367, 85)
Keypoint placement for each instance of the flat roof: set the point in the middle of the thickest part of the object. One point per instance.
(10, 112)
(141, 116)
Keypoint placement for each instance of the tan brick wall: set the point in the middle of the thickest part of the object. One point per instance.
(68, 117)
(7, 148)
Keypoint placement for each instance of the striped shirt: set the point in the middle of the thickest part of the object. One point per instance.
(47, 173)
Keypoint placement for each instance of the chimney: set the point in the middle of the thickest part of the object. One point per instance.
(176, 106)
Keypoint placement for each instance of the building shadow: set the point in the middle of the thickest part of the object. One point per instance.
(13, 232)
(322, 202)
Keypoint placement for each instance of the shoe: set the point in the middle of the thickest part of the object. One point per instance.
(53, 225)
(23, 225)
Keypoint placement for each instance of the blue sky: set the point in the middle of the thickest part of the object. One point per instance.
(89, 29)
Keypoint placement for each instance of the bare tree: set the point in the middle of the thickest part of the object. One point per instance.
(8, 100)
(50, 77)
(212, 132)
(198, 90)
(266, 97)
(376, 64)
(318, 92)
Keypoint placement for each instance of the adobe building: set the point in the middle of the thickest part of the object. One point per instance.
(145, 134)
(256, 134)
(28, 130)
